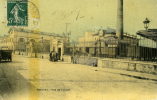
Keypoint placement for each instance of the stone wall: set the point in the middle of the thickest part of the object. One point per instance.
(67, 58)
(85, 60)
(138, 66)
(91, 61)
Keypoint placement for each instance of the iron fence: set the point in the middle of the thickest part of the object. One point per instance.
(134, 49)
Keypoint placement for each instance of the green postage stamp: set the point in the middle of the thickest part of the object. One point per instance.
(17, 12)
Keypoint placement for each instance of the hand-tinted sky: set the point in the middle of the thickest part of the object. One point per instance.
(87, 15)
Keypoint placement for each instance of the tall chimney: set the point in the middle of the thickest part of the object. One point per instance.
(119, 31)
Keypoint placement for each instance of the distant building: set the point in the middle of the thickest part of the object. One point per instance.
(148, 44)
(6, 41)
(148, 38)
(106, 43)
(33, 43)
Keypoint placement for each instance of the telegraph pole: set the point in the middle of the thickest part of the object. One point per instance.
(68, 33)
(66, 25)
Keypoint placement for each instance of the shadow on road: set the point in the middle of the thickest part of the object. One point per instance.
(12, 83)
(138, 77)
(10, 62)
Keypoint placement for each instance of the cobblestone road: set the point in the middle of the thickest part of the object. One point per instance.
(37, 79)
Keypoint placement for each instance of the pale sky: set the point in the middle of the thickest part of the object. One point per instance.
(93, 14)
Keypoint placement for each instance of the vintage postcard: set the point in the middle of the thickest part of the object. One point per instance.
(78, 49)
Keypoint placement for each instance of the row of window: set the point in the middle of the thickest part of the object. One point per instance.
(6, 40)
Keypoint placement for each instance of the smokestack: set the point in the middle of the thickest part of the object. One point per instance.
(119, 31)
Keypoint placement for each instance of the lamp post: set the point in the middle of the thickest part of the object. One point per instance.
(146, 23)
(99, 47)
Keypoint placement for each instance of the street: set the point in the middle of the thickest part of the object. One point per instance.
(39, 79)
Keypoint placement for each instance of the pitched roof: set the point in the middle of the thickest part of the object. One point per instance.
(33, 31)
(150, 34)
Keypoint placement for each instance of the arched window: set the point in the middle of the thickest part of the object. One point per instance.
(21, 40)
(32, 40)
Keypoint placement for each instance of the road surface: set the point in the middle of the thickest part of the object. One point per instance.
(39, 79)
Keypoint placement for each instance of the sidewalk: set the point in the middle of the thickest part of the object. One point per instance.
(133, 74)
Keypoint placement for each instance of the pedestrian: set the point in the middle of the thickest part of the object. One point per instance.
(56, 56)
(50, 56)
(72, 59)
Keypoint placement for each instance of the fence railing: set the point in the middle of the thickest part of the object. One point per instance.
(112, 49)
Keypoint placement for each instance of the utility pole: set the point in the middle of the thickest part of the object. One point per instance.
(67, 33)
(67, 27)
